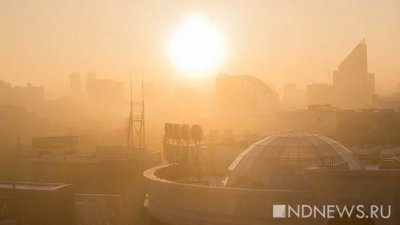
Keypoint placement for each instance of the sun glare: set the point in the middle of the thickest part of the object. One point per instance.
(196, 48)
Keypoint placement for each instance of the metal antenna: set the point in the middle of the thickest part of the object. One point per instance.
(136, 127)
(130, 143)
(18, 138)
(143, 127)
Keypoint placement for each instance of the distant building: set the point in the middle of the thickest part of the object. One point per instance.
(108, 184)
(241, 101)
(89, 77)
(317, 118)
(75, 83)
(384, 121)
(18, 122)
(319, 94)
(353, 85)
(388, 102)
(255, 95)
(31, 203)
(293, 98)
(104, 90)
(58, 145)
(20, 96)
(358, 127)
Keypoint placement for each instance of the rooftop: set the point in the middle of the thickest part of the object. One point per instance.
(278, 161)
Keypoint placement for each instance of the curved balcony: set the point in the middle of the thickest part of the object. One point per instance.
(182, 203)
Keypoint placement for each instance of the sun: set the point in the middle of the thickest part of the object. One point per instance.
(196, 48)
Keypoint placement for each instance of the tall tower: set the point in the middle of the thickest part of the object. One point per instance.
(136, 139)
(353, 85)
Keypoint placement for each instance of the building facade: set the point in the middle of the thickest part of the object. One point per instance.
(353, 85)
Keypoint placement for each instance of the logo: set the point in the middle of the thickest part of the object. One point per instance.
(332, 211)
(279, 211)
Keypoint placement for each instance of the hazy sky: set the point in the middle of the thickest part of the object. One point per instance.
(42, 41)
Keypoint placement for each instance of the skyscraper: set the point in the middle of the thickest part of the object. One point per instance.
(353, 85)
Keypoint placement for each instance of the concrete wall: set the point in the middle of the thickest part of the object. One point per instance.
(367, 187)
(37, 203)
(186, 204)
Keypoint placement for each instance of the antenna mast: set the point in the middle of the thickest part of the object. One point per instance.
(130, 142)
(136, 126)
(143, 127)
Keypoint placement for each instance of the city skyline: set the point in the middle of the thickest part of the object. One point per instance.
(211, 112)
(274, 41)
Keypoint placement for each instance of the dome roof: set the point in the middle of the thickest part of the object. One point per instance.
(256, 97)
(278, 161)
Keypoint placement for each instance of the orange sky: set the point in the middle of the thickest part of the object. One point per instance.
(278, 41)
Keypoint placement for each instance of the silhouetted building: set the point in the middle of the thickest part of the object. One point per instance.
(58, 145)
(36, 204)
(104, 90)
(18, 122)
(109, 171)
(89, 77)
(20, 96)
(388, 102)
(243, 100)
(319, 94)
(358, 127)
(369, 121)
(293, 98)
(317, 118)
(75, 83)
(353, 85)
(255, 96)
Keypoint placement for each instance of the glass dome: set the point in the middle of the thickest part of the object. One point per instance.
(278, 161)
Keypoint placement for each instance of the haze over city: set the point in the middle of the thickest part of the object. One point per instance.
(213, 112)
(277, 41)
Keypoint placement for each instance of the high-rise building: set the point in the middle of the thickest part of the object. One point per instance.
(75, 82)
(353, 85)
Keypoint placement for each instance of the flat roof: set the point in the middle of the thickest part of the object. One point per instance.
(32, 186)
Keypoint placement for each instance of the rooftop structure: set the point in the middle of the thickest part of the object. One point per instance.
(257, 102)
(255, 95)
(278, 161)
(284, 169)
(36, 203)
